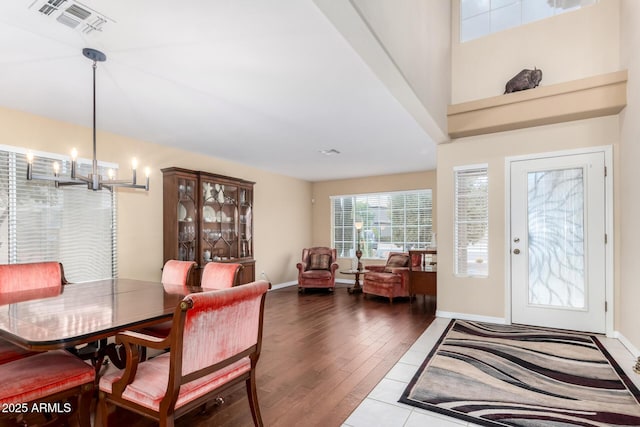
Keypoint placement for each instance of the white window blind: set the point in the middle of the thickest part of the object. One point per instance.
(391, 222)
(471, 221)
(39, 222)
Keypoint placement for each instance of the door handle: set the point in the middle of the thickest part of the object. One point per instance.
(516, 251)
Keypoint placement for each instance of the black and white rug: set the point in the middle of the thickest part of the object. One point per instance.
(510, 375)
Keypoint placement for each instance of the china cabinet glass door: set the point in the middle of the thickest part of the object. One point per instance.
(187, 219)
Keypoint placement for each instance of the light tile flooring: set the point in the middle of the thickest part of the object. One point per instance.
(382, 409)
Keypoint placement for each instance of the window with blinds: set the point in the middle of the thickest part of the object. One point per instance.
(391, 222)
(471, 222)
(39, 222)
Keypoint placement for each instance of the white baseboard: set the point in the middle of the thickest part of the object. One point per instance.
(632, 348)
(471, 317)
(283, 285)
(295, 283)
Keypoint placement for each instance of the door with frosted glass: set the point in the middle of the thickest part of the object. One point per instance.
(558, 242)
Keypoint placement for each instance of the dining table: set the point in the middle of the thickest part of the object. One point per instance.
(80, 313)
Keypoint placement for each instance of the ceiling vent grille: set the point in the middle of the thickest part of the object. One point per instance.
(72, 14)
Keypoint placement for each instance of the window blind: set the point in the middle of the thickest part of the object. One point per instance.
(471, 235)
(391, 222)
(39, 222)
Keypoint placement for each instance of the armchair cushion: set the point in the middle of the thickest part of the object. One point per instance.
(319, 261)
(396, 260)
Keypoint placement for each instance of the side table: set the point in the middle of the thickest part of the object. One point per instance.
(356, 288)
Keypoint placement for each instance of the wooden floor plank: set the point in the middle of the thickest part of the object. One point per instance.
(322, 353)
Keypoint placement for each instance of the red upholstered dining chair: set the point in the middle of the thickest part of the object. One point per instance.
(220, 275)
(176, 273)
(52, 376)
(390, 280)
(22, 279)
(317, 268)
(214, 343)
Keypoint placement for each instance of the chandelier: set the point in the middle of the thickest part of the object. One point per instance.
(94, 181)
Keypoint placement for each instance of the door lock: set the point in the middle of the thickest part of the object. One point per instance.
(516, 251)
(516, 240)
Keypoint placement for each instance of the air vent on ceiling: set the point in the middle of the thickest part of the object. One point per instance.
(72, 14)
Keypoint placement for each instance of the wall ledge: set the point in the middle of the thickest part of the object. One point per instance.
(596, 96)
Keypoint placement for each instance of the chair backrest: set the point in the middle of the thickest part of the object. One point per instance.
(220, 275)
(213, 329)
(176, 272)
(30, 276)
(318, 258)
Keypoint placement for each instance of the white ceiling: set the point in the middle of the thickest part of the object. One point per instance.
(267, 83)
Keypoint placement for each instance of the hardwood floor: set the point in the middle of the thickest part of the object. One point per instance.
(322, 354)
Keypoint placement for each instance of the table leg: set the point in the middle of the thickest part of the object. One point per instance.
(356, 288)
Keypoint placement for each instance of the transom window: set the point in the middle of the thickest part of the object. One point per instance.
(39, 222)
(482, 17)
(387, 222)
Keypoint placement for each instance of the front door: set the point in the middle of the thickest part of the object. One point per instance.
(558, 242)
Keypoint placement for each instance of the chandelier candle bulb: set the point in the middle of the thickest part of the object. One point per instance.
(74, 163)
(29, 165)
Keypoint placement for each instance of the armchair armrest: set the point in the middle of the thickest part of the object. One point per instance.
(334, 267)
(302, 266)
(375, 268)
(131, 341)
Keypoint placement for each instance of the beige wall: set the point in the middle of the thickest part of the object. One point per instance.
(407, 29)
(486, 296)
(567, 47)
(628, 195)
(322, 191)
(282, 213)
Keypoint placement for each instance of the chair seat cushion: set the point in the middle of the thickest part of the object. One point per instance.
(390, 278)
(10, 352)
(35, 377)
(152, 377)
(317, 274)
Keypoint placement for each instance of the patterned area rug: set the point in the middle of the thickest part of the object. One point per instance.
(508, 375)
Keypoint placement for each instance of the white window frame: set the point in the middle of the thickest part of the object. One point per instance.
(381, 229)
(71, 225)
(463, 265)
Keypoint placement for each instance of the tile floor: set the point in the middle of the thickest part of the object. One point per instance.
(382, 409)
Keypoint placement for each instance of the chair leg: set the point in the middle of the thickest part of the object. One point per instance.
(252, 394)
(84, 406)
(102, 411)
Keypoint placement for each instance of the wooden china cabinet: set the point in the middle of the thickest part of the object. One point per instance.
(208, 218)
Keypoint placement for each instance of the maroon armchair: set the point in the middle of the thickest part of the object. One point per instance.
(390, 280)
(317, 268)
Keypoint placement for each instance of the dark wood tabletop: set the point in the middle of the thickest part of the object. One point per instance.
(85, 312)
